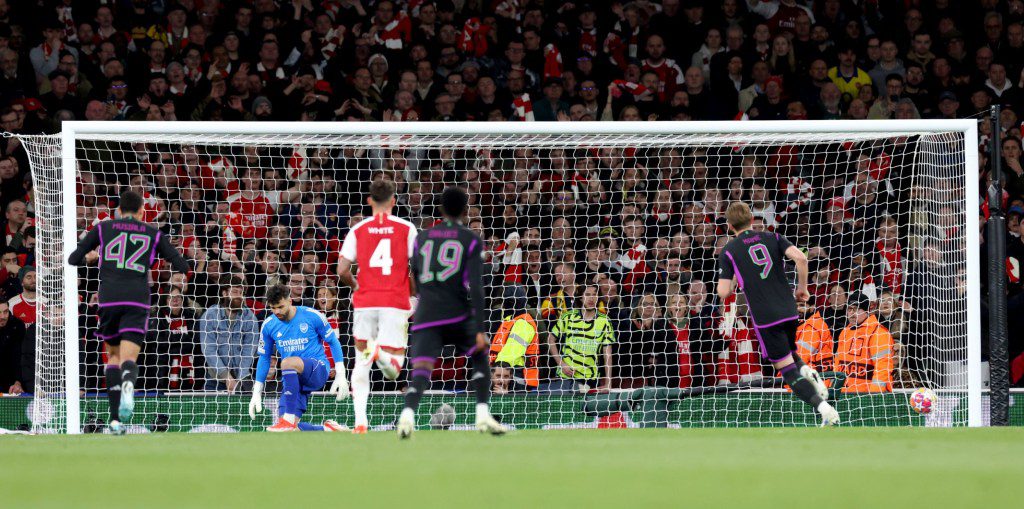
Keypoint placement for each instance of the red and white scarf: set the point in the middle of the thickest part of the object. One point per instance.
(64, 16)
(396, 33)
(332, 39)
(523, 108)
(634, 88)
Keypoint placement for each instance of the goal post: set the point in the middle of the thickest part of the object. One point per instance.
(929, 167)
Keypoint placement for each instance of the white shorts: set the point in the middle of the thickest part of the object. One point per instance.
(387, 326)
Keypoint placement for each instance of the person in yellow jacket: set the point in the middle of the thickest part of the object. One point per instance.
(865, 351)
(813, 338)
(514, 353)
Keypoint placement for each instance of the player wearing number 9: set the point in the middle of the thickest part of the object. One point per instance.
(757, 261)
(126, 248)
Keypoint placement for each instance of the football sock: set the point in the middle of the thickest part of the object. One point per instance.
(483, 411)
(308, 426)
(802, 387)
(417, 386)
(129, 372)
(480, 380)
(113, 377)
(360, 390)
(798, 361)
(289, 398)
(385, 358)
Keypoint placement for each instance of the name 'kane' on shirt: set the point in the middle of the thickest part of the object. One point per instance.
(127, 249)
(758, 261)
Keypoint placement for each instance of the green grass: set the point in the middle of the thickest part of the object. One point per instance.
(803, 467)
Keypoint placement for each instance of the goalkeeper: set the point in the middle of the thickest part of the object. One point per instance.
(298, 334)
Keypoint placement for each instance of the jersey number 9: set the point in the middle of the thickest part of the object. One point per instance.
(759, 254)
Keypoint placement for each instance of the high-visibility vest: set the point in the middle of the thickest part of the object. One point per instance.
(865, 355)
(814, 343)
(515, 344)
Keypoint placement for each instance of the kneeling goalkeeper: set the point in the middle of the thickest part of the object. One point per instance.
(298, 334)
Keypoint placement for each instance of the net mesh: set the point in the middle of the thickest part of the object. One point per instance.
(640, 218)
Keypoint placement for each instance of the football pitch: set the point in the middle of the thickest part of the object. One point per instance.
(764, 468)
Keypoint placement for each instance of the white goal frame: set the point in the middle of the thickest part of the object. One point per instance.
(71, 130)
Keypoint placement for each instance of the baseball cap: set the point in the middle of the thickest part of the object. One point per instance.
(25, 271)
(859, 300)
(947, 96)
(58, 73)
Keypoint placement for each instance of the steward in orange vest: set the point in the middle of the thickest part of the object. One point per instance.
(865, 350)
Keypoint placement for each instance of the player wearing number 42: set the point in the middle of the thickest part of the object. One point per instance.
(757, 260)
(126, 248)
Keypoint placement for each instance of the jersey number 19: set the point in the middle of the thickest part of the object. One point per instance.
(449, 257)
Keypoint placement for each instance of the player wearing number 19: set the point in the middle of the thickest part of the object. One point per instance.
(448, 263)
(757, 260)
(126, 248)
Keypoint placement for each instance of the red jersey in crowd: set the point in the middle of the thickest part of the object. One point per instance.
(255, 212)
(892, 267)
(22, 308)
(381, 245)
(740, 361)
(670, 77)
(683, 347)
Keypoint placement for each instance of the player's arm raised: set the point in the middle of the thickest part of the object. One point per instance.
(800, 259)
(266, 351)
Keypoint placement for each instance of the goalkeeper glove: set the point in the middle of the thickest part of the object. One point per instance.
(340, 385)
(256, 402)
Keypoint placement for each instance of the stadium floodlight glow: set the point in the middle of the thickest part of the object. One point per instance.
(922, 173)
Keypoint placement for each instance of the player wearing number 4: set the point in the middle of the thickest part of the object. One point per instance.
(297, 334)
(756, 259)
(126, 248)
(380, 246)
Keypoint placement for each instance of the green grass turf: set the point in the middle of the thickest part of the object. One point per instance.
(750, 468)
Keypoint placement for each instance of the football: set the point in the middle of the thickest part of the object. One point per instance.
(922, 400)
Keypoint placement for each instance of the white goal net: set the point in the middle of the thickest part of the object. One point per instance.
(633, 213)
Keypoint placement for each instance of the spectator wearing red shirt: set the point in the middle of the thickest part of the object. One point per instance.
(23, 305)
(255, 212)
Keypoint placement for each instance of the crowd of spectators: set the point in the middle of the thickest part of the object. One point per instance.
(640, 226)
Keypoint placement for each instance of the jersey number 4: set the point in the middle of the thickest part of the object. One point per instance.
(381, 257)
(117, 251)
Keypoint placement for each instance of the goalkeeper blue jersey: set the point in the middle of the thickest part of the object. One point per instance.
(302, 336)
